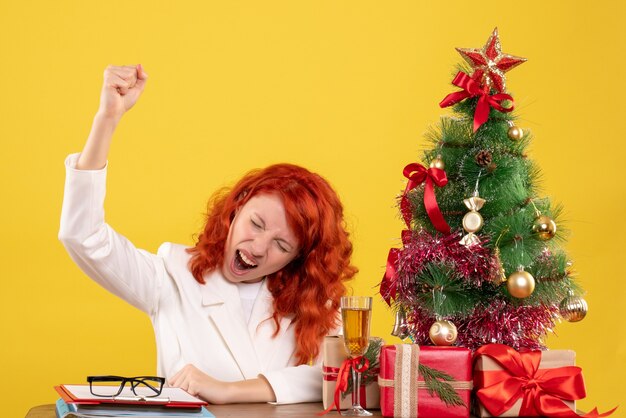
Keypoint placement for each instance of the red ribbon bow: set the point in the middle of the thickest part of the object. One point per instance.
(471, 88)
(417, 174)
(342, 379)
(389, 284)
(542, 391)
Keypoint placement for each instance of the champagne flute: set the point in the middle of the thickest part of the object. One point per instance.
(356, 312)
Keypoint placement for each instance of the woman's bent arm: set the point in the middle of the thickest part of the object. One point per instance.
(104, 255)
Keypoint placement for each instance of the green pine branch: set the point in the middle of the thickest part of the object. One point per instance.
(443, 291)
(437, 383)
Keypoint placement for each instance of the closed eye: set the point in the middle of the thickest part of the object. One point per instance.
(282, 247)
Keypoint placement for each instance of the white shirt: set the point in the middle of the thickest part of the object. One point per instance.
(248, 293)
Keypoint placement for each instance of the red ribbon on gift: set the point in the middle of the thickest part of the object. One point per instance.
(542, 391)
(418, 174)
(343, 374)
(471, 88)
(332, 373)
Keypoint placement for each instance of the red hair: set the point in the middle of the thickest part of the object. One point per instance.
(311, 285)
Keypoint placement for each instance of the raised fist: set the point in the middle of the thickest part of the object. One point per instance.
(121, 89)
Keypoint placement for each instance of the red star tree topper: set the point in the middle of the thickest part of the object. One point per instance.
(490, 64)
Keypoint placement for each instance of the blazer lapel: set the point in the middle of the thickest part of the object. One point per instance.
(223, 305)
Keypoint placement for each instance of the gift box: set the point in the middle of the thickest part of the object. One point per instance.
(334, 355)
(509, 383)
(406, 389)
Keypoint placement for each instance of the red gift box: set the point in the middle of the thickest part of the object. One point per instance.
(403, 392)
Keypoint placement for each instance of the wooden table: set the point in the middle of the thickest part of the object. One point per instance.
(301, 410)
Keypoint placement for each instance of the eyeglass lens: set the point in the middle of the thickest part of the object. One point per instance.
(109, 386)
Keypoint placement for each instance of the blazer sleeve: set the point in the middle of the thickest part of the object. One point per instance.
(110, 259)
(296, 384)
(301, 383)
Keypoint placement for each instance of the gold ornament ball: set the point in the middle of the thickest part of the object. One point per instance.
(573, 308)
(437, 163)
(443, 332)
(544, 227)
(515, 133)
(521, 284)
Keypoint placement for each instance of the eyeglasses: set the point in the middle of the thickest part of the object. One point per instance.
(111, 386)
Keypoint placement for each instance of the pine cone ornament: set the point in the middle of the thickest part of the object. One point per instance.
(483, 158)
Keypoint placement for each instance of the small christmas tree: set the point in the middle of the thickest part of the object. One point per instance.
(481, 260)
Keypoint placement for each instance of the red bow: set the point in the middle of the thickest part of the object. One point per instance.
(542, 391)
(389, 284)
(417, 174)
(342, 379)
(471, 88)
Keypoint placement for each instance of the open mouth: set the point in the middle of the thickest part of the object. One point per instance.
(242, 262)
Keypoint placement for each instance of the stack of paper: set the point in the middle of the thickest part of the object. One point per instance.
(77, 401)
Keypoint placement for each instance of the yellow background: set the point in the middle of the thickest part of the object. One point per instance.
(346, 88)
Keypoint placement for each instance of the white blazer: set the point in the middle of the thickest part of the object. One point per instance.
(203, 325)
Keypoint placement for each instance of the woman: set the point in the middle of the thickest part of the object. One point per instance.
(240, 316)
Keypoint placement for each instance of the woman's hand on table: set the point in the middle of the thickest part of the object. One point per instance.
(198, 383)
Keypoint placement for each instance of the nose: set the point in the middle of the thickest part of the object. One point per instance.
(260, 245)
